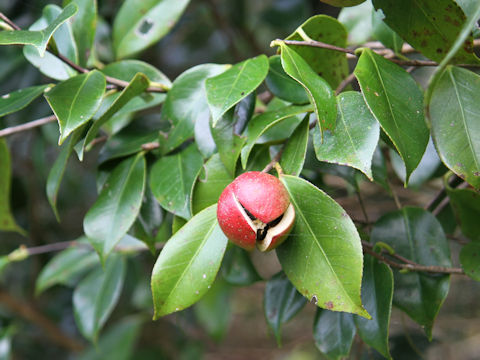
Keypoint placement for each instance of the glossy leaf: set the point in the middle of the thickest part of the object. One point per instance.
(261, 123)
(49, 64)
(127, 69)
(227, 89)
(188, 264)
(186, 103)
(139, 25)
(39, 38)
(149, 221)
(65, 267)
(319, 92)
(282, 85)
(469, 258)
(379, 168)
(117, 206)
(137, 86)
(84, 25)
(295, 151)
(237, 267)
(416, 235)
(211, 181)
(425, 169)
(19, 99)
(355, 138)
(357, 20)
(455, 122)
(63, 37)
(333, 333)
(323, 241)
(377, 293)
(229, 144)
(342, 3)
(330, 65)
(214, 311)
(466, 205)
(75, 100)
(96, 295)
(7, 222)
(396, 101)
(118, 342)
(430, 27)
(55, 175)
(204, 137)
(281, 303)
(172, 179)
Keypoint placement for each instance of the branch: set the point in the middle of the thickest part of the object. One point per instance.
(27, 126)
(275, 160)
(322, 45)
(408, 264)
(29, 313)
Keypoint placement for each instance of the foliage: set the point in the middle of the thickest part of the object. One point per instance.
(158, 153)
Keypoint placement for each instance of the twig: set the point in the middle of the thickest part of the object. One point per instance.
(362, 206)
(275, 160)
(411, 266)
(318, 44)
(9, 22)
(29, 313)
(27, 126)
(446, 200)
(344, 83)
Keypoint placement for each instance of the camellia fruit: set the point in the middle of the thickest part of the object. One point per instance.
(255, 209)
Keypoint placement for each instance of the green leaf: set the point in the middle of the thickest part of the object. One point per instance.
(228, 143)
(324, 241)
(117, 206)
(342, 3)
(330, 65)
(466, 205)
(49, 64)
(84, 25)
(293, 156)
(425, 170)
(379, 168)
(455, 122)
(355, 138)
(282, 85)
(416, 235)
(137, 86)
(430, 27)
(19, 99)
(237, 268)
(188, 264)
(204, 138)
(377, 293)
(63, 41)
(227, 89)
(172, 179)
(281, 303)
(139, 25)
(212, 179)
(74, 101)
(149, 221)
(66, 267)
(40, 38)
(186, 103)
(118, 342)
(7, 222)
(96, 295)
(333, 333)
(127, 69)
(319, 92)
(55, 175)
(396, 101)
(385, 34)
(214, 312)
(261, 123)
(469, 258)
(357, 20)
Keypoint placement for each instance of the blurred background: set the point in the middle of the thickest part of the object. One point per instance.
(229, 325)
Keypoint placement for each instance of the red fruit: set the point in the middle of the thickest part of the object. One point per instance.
(254, 210)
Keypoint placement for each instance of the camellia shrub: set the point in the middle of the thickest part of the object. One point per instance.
(387, 91)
